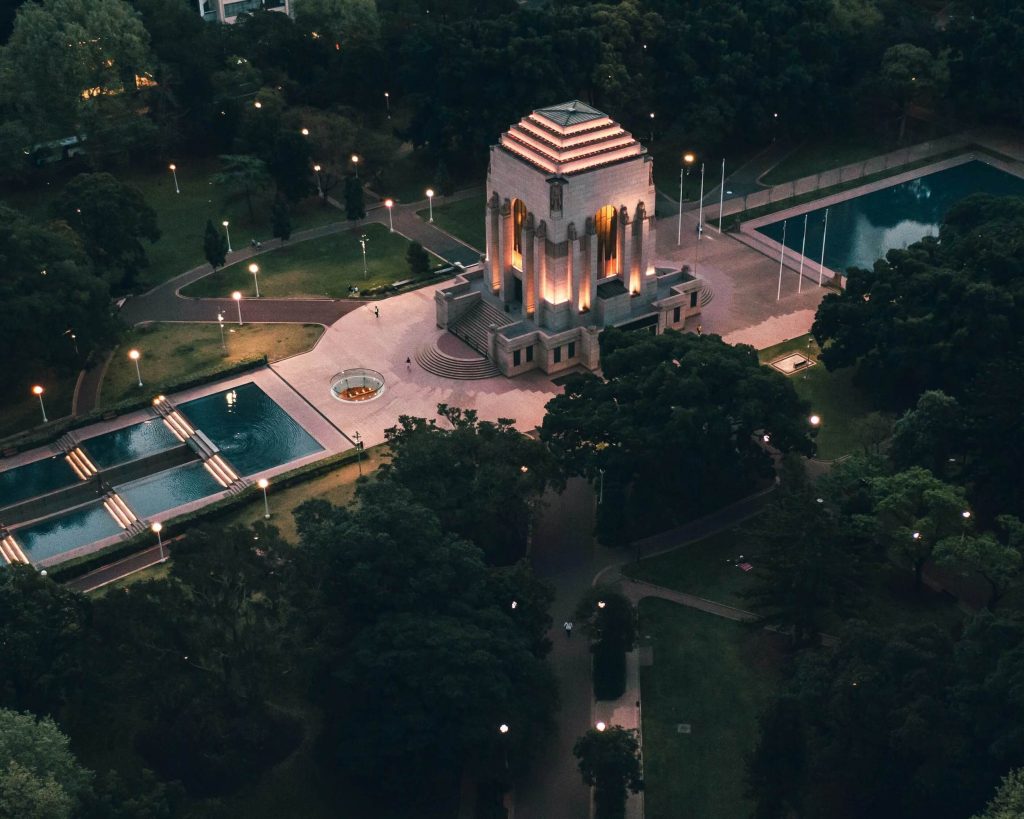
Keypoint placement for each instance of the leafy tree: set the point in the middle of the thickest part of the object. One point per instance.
(290, 166)
(443, 179)
(609, 760)
(706, 403)
(1008, 802)
(775, 768)
(243, 175)
(39, 775)
(490, 481)
(418, 258)
(805, 568)
(998, 560)
(916, 512)
(110, 218)
(332, 139)
(355, 207)
(281, 219)
(344, 20)
(931, 435)
(911, 74)
(608, 617)
(66, 59)
(215, 245)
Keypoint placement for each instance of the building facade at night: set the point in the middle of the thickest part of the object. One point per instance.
(571, 247)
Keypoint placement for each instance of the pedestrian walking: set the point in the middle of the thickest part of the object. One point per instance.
(700, 330)
(376, 311)
(568, 629)
(408, 364)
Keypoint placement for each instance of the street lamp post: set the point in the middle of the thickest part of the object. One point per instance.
(359, 450)
(38, 392)
(238, 301)
(157, 528)
(389, 204)
(305, 131)
(430, 200)
(174, 173)
(387, 103)
(688, 159)
(319, 187)
(355, 162)
(255, 270)
(228, 232)
(652, 126)
(135, 355)
(220, 322)
(600, 491)
(263, 483)
(362, 243)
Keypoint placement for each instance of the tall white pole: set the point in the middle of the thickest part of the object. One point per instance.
(138, 372)
(679, 230)
(721, 198)
(700, 208)
(803, 244)
(821, 265)
(782, 255)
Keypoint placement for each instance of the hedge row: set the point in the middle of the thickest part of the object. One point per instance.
(53, 431)
(78, 566)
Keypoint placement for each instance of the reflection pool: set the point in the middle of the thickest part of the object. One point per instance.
(63, 533)
(252, 431)
(127, 444)
(863, 229)
(36, 478)
(165, 490)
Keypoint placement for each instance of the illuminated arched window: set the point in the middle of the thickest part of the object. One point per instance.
(606, 223)
(518, 218)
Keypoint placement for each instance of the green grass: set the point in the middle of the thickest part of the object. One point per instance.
(833, 397)
(327, 266)
(706, 568)
(463, 219)
(182, 217)
(717, 676)
(175, 352)
(19, 409)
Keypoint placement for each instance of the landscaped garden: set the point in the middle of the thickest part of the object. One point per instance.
(174, 352)
(463, 219)
(702, 699)
(327, 266)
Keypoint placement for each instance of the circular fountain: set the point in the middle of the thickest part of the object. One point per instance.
(357, 384)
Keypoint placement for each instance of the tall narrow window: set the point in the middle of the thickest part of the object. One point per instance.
(606, 223)
(518, 219)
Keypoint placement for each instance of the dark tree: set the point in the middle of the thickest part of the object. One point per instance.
(290, 165)
(609, 760)
(775, 769)
(281, 219)
(215, 245)
(355, 207)
(932, 435)
(419, 260)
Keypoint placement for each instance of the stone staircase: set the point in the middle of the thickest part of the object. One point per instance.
(434, 361)
(10, 551)
(472, 326)
(706, 295)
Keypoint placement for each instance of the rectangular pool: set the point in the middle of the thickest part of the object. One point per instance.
(865, 228)
(252, 431)
(168, 489)
(128, 444)
(63, 533)
(36, 478)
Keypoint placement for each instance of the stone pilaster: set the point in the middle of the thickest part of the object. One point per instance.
(540, 259)
(529, 267)
(626, 249)
(493, 251)
(504, 247)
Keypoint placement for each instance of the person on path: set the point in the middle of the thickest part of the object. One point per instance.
(568, 629)
(376, 311)
(408, 364)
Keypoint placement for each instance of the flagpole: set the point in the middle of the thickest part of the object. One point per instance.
(721, 197)
(803, 244)
(821, 265)
(700, 210)
(679, 231)
(782, 255)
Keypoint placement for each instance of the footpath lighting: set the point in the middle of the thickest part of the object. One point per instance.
(38, 392)
(257, 104)
(503, 728)
(220, 322)
(688, 160)
(174, 173)
(814, 420)
(305, 131)
(601, 604)
(255, 270)
(600, 726)
(430, 199)
(228, 232)
(238, 301)
(387, 103)
(157, 528)
(389, 204)
(355, 163)
(362, 243)
(135, 355)
(263, 483)
(319, 187)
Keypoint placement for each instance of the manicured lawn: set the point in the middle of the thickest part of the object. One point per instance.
(337, 487)
(706, 568)
(463, 219)
(716, 676)
(173, 352)
(327, 266)
(182, 217)
(833, 396)
(19, 408)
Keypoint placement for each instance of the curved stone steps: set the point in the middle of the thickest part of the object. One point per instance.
(434, 361)
(706, 295)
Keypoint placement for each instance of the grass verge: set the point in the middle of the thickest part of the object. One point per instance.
(463, 219)
(327, 266)
(172, 352)
(716, 676)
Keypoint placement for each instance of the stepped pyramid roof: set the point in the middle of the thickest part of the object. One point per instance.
(569, 138)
